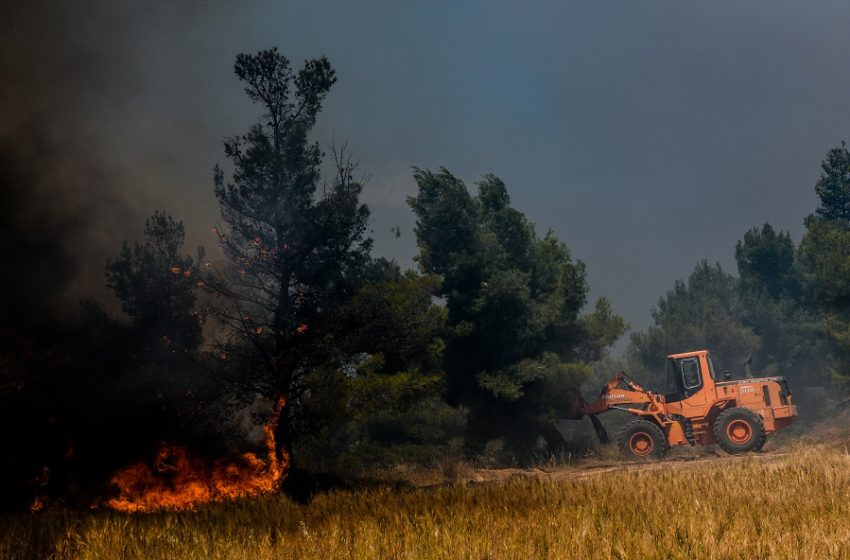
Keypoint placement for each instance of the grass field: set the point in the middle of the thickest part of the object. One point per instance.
(793, 505)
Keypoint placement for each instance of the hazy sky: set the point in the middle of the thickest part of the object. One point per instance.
(647, 135)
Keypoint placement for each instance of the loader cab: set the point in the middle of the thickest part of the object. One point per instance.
(685, 375)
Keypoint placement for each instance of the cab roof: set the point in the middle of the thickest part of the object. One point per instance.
(688, 354)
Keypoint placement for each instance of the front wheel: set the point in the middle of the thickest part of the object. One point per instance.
(739, 430)
(642, 439)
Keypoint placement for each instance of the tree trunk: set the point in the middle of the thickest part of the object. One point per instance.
(554, 439)
(283, 433)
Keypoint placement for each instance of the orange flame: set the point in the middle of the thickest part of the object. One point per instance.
(37, 505)
(179, 480)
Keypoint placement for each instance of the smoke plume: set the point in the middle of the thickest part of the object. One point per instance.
(55, 185)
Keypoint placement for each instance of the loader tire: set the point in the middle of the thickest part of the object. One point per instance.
(642, 439)
(739, 430)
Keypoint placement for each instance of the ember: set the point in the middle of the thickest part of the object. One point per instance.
(179, 480)
(37, 505)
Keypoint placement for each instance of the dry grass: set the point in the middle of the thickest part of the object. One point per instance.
(795, 506)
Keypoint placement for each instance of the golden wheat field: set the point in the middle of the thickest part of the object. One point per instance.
(790, 505)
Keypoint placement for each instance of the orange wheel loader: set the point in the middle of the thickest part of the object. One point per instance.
(701, 409)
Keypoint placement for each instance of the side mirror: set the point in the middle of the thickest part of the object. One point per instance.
(727, 375)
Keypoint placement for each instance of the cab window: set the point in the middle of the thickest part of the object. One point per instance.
(690, 373)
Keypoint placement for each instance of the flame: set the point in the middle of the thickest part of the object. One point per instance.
(41, 481)
(37, 505)
(179, 480)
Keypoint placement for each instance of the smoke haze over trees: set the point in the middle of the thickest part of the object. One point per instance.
(469, 337)
(786, 312)
(301, 311)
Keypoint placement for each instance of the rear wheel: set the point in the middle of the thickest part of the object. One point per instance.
(642, 439)
(739, 430)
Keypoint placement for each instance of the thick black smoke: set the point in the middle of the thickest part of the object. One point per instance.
(75, 402)
(37, 264)
(55, 186)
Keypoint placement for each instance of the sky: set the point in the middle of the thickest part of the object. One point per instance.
(646, 135)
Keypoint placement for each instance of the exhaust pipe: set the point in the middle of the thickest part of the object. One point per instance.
(747, 363)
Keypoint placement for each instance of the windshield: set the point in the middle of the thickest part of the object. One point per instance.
(683, 378)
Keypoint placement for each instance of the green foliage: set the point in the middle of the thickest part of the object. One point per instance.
(779, 307)
(156, 285)
(704, 312)
(601, 329)
(833, 187)
(370, 418)
(825, 257)
(735, 319)
(766, 262)
(383, 403)
(790, 308)
(449, 233)
(295, 254)
(354, 344)
(825, 254)
(396, 318)
(792, 339)
(765, 314)
(516, 343)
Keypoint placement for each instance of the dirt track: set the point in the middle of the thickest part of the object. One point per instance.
(581, 471)
(832, 433)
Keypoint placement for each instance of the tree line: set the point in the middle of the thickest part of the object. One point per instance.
(478, 352)
(787, 312)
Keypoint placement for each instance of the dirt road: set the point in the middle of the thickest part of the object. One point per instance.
(594, 468)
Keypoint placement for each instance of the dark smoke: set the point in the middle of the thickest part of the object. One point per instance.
(74, 402)
(54, 184)
(38, 263)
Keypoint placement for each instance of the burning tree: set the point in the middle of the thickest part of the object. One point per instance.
(156, 286)
(291, 250)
